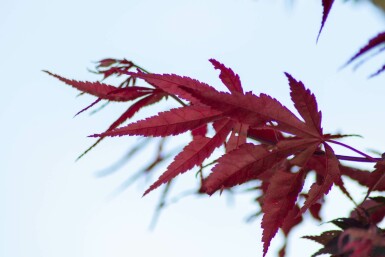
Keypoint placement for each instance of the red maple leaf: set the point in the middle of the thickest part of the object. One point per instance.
(194, 153)
(280, 199)
(228, 77)
(194, 117)
(287, 149)
(305, 103)
(146, 96)
(374, 180)
(245, 161)
(107, 92)
(373, 44)
(173, 84)
(172, 122)
(331, 174)
(327, 6)
(250, 162)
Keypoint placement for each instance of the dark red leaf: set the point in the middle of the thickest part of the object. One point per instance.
(105, 91)
(237, 137)
(378, 176)
(363, 177)
(172, 84)
(318, 164)
(382, 69)
(325, 237)
(168, 123)
(305, 103)
(327, 6)
(245, 163)
(255, 108)
(373, 43)
(106, 62)
(317, 191)
(248, 162)
(374, 210)
(134, 108)
(292, 219)
(366, 178)
(331, 174)
(89, 106)
(357, 242)
(201, 131)
(228, 77)
(266, 136)
(280, 198)
(303, 155)
(194, 154)
(330, 241)
(315, 211)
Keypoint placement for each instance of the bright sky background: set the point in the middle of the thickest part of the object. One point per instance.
(54, 207)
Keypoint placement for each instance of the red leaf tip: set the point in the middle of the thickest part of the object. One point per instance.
(327, 6)
(228, 77)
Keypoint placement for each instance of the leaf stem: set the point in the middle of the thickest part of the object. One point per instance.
(357, 159)
(177, 99)
(371, 159)
(140, 68)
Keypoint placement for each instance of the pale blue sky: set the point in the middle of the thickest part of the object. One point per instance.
(54, 207)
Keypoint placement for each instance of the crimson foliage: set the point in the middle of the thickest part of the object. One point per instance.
(263, 140)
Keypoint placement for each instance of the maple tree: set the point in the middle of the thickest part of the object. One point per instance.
(263, 141)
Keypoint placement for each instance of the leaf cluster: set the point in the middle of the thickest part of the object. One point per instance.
(259, 140)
